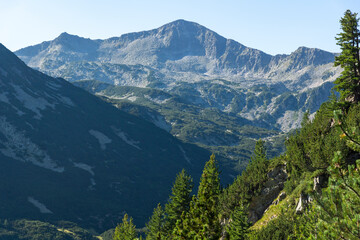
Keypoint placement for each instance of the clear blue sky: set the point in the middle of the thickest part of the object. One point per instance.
(273, 26)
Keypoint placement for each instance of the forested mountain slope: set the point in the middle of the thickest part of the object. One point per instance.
(68, 155)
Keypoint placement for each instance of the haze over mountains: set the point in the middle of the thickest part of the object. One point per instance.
(67, 155)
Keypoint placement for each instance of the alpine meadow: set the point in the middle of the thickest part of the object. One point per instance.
(178, 133)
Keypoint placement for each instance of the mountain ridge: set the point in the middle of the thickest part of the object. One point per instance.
(181, 47)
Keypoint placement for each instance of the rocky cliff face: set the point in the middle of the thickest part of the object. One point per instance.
(269, 192)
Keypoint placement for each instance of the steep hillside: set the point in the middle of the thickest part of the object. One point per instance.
(227, 135)
(216, 114)
(67, 155)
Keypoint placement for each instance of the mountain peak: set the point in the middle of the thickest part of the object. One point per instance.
(64, 34)
(182, 22)
(306, 49)
(182, 25)
(67, 37)
(304, 56)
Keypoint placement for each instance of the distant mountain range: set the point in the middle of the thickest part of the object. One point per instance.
(178, 51)
(67, 155)
(195, 84)
(185, 53)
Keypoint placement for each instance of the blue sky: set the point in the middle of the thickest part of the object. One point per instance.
(273, 26)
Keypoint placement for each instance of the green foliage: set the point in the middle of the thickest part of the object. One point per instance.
(125, 230)
(37, 230)
(202, 220)
(338, 209)
(179, 201)
(335, 214)
(348, 84)
(234, 195)
(248, 184)
(349, 124)
(312, 147)
(258, 166)
(155, 227)
(277, 229)
(239, 226)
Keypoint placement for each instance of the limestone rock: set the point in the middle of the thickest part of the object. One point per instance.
(304, 200)
(270, 191)
(319, 182)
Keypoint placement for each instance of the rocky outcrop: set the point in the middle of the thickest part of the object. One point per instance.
(304, 200)
(224, 223)
(270, 191)
(281, 197)
(319, 182)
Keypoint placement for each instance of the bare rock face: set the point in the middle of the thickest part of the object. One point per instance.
(270, 191)
(319, 182)
(281, 197)
(176, 48)
(304, 200)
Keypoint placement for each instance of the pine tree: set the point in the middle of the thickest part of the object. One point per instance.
(125, 230)
(348, 84)
(179, 200)
(202, 220)
(155, 227)
(338, 209)
(257, 168)
(184, 228)
(239, 226)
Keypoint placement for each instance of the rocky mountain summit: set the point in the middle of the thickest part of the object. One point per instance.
(178, 51)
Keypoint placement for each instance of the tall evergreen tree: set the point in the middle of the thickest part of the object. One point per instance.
(202, 220)
(257, 168)
(348, 84)
(239, 226)
(179, 200)
(338, 209)
(125, 230)
(155, 227)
